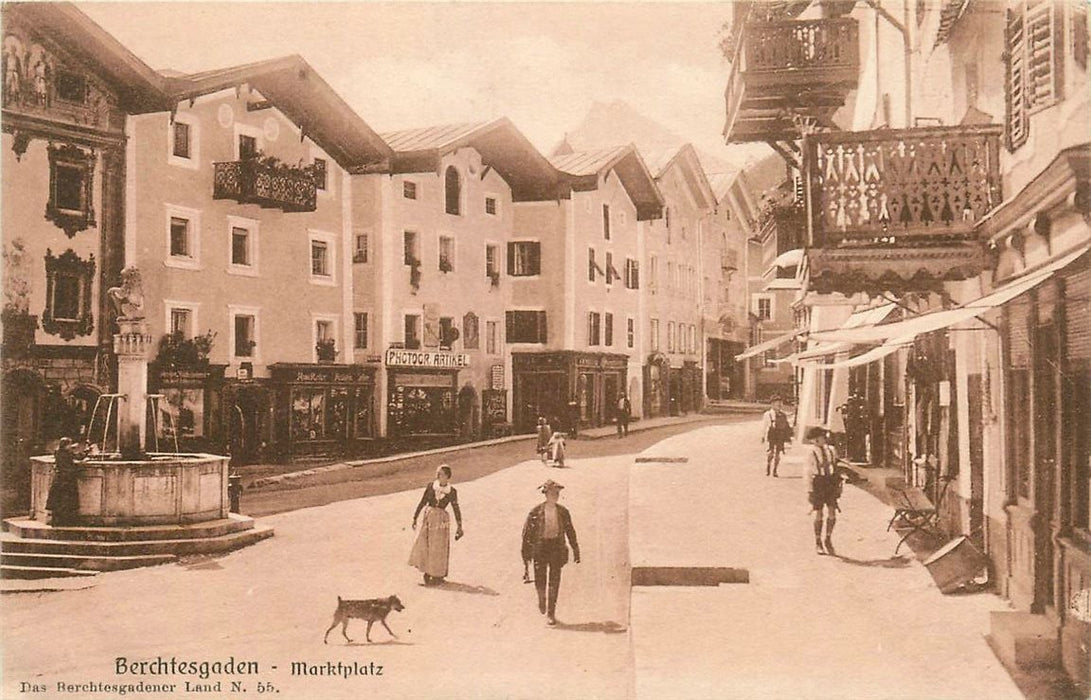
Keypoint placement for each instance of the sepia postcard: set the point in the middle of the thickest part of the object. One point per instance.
(634, 350)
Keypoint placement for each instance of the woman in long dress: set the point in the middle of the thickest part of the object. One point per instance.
(432, 550)
(63, 501)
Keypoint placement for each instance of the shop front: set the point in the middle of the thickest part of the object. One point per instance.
(570, 389)
(189, 401)
(422, 397)
(322, 409)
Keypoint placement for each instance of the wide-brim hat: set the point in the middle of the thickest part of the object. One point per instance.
(550, 484)
(815, 431)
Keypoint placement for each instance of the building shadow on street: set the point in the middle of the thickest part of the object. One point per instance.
(608, 627)
(381, 643)
(896, 562)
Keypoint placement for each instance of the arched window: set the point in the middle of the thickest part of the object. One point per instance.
(453, 188)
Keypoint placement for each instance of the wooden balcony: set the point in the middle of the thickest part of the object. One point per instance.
(897, 210)
(787, 222)
(267, 185)
(901, 187)
(786, 67)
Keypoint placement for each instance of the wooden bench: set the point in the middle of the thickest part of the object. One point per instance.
(913, 508)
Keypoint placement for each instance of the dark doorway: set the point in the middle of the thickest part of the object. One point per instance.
(23, 393)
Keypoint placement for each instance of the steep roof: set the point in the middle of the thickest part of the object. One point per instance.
(685, 157)
(501, 145)
(138, 87)
(291, 85)
(583, 169)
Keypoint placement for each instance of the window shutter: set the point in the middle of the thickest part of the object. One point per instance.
(636, 274)
(1034, 48)
(1018, 333)
(511, 260)
(535, 258)
(1015, 57)
(1078, 315)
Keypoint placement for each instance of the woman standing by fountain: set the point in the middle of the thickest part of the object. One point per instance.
(432, 550)
(64, 497)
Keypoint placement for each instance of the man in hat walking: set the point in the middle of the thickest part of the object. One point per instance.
(544, 533)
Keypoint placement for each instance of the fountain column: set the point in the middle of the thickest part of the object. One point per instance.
(131, 347)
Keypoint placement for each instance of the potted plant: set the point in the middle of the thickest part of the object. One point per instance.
(414, 273)
(176, 350)
(19, 324)
(445, 265)
(494, 278)
(326, 349)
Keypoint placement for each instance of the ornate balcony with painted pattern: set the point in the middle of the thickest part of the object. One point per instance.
(267, 185)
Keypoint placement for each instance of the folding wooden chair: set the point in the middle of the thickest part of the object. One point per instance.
(913, 508)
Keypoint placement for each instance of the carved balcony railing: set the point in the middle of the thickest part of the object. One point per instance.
(787, 222)
(787, 66)
(267, 185)
(905, 187)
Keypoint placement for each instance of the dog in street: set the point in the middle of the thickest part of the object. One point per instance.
(372, 610)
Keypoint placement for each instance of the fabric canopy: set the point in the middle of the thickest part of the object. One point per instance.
(789, 258)
(767, 345)
(862, 318)
(936, 320)
(876, 353)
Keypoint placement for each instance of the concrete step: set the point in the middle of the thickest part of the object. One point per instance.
(1024, 640)
(204, 545)
(39, 572)
(34, 529)
(83, 563)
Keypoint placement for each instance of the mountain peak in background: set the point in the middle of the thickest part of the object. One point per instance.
(616, 123)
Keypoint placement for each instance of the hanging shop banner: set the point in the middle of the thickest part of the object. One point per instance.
(396, 357)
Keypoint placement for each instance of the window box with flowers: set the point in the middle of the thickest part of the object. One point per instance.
(414, 273)
(494, 278)
(268, 182)
(326, 350)
(176, 350)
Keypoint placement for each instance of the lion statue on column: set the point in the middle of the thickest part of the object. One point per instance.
(128, 299)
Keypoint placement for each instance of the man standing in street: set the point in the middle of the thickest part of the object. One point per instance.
(775, 431)
(544, 533)
(624, 408)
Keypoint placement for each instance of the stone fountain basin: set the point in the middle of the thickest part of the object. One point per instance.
(162, 489)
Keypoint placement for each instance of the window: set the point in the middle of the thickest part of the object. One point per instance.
(492, 265)
(320, 259)
(446, 254)
(490, 205)
(670, 275)
(1033, 32)
(409, 190)
(323, 330)
(181, 141)
(611, 273)
(179, 237)
(359, 335)
(654, 282)
(67, 291)
(630, 332)
(525, 326)
(70, 202)
(653, 333)
(71, 87)
(183, 240)
(248, 147)
(360, 252)
(594, 328)
(412, 331)
(632, 274)
(321, 174)
(608, 329)
(606, 221)
(180, 320)
(524, 258)
(411, 254)
(491, 338)
(670, 336)
(764, 308)
(667, 222)
(243, 251)
(452, 188)
(448, 333)
(593, 268)
(244, 325)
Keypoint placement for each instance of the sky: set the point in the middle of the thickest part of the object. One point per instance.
(407, 64)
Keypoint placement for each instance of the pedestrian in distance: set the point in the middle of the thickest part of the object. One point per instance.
(63, 501)
(432, 550)
(544, 433)
(624, 409)
(823, 484)
(547, 527)
(557, 448)
(775, 432)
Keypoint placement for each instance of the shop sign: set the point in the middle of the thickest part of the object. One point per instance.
(317, 376)
(182, 377)
(396, 357)
(497, 376)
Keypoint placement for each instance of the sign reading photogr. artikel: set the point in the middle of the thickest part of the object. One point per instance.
(426, 359)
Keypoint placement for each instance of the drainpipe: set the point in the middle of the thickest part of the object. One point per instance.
(907, 51)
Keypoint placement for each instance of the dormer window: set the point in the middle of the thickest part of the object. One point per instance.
(452, 182)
